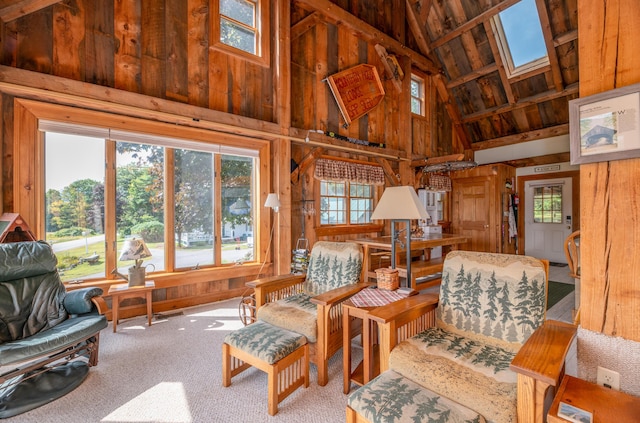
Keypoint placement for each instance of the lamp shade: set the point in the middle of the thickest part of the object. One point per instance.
(134, 249)
(272, 201)
(399, 203)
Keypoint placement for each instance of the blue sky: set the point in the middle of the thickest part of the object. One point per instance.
(521, 25)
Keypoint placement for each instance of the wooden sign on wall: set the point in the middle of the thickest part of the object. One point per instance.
(357, 90)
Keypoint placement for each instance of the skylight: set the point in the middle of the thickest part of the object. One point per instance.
(520, 38)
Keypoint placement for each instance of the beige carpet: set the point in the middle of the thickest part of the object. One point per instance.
(171, 372)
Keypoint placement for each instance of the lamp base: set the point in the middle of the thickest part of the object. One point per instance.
(136, 276)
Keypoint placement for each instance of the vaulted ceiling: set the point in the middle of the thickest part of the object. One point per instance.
(494, 109)
(456, 41)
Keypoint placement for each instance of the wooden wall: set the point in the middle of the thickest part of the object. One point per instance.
(155, 56)
(609, 33)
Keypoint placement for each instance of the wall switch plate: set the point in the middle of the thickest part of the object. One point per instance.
(608, 378)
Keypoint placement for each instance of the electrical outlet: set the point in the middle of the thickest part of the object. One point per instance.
(608, 378)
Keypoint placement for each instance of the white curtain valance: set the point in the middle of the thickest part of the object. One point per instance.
(340, 170)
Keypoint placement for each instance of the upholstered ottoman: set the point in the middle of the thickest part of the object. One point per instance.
(282, 354)
(393, 398)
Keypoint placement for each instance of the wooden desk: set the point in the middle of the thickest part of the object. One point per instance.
(369, 367)
(606, 405)
(369, 245)
(123, 291)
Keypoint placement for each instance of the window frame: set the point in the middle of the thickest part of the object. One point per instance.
(30, 201)
(263, 53)
(346, 228)
(511, 70)
(421, 80)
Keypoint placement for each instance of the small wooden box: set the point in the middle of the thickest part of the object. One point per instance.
(388, 278)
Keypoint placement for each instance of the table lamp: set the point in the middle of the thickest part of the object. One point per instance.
(135, 249)
(400, 204)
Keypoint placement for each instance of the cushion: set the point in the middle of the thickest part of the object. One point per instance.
(25, 259)
(473, 373)
(264, 341)
(332, 265)
(392, 398)
(493, 297)
(63, 335)
(295, 313)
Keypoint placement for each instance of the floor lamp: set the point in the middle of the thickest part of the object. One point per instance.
(400, 204)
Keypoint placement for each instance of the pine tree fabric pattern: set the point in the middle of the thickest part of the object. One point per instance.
(508, 307)
(331, 265)
(391, 398)
(268, 343)
(489, 305)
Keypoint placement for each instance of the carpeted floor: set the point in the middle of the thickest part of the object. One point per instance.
(557, 291)
(171, 373)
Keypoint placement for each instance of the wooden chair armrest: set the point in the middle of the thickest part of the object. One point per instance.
(404, 310)
(543, 356)
(338, 295)
(278, 281)
(403, 319)
(100, 304)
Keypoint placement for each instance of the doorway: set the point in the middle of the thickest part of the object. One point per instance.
(548, 218)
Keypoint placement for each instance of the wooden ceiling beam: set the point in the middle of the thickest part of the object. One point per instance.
(304, 25)
(493, 43)
(467, 26)
(339, 16)
(523, 102)
(475, 74)
(565, 38)
(552, 131)
(10, 10)
(305, 163)
(543, 13)
(540, 160)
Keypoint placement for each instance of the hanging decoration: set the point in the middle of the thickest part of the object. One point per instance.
(357, 90)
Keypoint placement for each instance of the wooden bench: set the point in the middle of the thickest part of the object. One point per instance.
(423, 269)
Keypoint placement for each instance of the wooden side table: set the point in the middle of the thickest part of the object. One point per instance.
(606, 405)
(369, 367)
(123, 291)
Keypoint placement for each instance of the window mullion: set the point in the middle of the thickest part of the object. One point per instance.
(110, 234)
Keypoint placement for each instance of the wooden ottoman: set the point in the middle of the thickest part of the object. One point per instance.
(282, 354)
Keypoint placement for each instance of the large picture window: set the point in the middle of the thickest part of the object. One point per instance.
(103, 186)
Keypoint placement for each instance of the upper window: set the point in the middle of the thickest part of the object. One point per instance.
(417, 95)
(241, 26)
(520, 38)
(547, 204)
(345, 203)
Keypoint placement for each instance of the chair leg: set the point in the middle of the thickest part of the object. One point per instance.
(226, 366)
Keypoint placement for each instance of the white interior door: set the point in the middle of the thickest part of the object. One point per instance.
(548, 219)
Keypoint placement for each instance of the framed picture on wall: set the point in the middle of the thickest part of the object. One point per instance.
(605, 126)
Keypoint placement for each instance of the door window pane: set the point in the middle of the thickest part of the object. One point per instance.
(547, 204)
(74, 204)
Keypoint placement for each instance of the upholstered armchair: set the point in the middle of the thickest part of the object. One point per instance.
(480, 351)
(311, 304)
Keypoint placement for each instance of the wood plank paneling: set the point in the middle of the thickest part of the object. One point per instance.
(127, 32)
(610, 215)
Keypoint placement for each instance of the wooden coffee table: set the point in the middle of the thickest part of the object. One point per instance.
(123, 291)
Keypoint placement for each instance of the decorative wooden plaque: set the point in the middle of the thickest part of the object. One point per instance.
(357, 90)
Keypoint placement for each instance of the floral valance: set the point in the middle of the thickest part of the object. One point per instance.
(340, 170)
